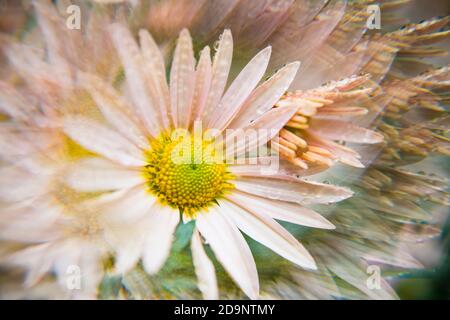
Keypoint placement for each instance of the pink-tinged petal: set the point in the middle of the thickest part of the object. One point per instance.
(267, 16)
(220, 10)
(308, 39)
(98, 174)
(272, 166)
(258, 132)
(301, 14)
(239, 90)
(340, 112)
(137, 81)
(203, 76)
(268, 232)
(341, 130)
(156, 70)
(162, 223)
(344, 154)
(281, 210)
(220, 69)
(328, 64)
(265, 96)
(298, 38)
(292, 189)
(204, 269)
(230, 248)
(102, 140)
(115, 109)
(256, 166)
(182, 81)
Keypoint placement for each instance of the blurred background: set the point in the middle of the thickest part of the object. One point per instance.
(434, 281)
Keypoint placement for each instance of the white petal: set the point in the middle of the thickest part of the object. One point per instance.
(157, 72)
(115, 110)
(90, 264)
(204, 269)
(85, 254)
(182, 80)
(265, 96)
(162, 223)
(281, 210)
(239, 90)
(100, 139)
(231, 249)
(38, 224)
(66, 254)
(97, 174)
(128, 241)
(220, 69)
(17, 184)
(137, 81)
(125, 206)
(268, 232)
(123, 227)
(292, 189)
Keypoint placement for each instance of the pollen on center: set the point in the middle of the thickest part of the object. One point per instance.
(186, 172)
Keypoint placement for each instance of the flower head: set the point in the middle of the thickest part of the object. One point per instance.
(165, 169)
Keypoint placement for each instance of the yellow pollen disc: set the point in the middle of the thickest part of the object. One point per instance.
(186, 173)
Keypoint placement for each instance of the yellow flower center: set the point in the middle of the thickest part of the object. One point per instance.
(186, 172)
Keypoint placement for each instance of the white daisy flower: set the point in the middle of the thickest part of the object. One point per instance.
(151, 188)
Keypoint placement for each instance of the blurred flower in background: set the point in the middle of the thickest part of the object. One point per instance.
(364, 109)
